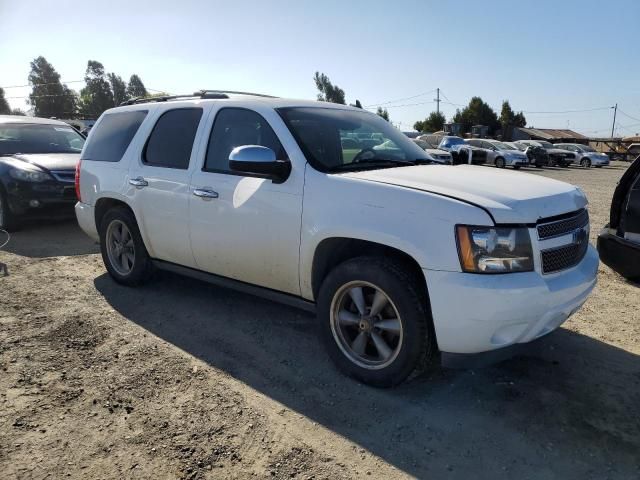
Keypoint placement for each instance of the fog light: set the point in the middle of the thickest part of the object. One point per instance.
(34, 203)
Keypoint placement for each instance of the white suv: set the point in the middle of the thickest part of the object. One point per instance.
(400, 258)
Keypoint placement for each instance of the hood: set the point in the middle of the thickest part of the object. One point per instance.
(510, 197)
(50, 161)
(513, 153)
(559, 151)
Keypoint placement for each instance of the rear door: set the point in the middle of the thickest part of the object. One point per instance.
(159, 183)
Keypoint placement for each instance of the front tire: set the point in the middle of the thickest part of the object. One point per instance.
(585, 162)
(374, 321)
(500, 162)
(123, 251)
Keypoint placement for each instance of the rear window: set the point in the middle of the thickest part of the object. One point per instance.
(111, 137)
(172, 138)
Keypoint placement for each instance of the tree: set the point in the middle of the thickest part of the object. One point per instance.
(49, 97)
(477, 113)
(328, 91)
(96, 96)
(510, 119)
(519, 120)
(382, 112)
(118, 89)
(17, 111)
(136, 88)
(5, 109)
(433, 123)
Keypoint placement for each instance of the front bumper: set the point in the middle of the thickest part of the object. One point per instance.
(40, 199)
(516, 162)
(623, 256)
(599, 161)
(475, 313)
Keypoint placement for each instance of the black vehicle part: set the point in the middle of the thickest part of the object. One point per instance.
(621, 193)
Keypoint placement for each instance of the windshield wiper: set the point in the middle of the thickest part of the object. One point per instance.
(373, 163)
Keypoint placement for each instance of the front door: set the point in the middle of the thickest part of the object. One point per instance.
(242, 226)
(159, 181)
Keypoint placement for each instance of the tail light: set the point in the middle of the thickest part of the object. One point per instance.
(78, 181)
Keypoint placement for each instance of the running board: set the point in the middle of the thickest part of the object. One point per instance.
(266, 293)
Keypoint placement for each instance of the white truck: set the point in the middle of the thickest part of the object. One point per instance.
(405, 262)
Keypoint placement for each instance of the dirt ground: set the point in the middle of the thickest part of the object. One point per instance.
(180, 379)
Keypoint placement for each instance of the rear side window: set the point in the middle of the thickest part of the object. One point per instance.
(236, 127)
(171, 140)
(112, 136)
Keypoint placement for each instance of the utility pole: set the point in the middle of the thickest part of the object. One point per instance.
(437, 100)
(613, 127)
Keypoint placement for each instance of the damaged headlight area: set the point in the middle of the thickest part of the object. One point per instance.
(494, 250)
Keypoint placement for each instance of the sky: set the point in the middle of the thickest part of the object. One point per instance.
(561, 56)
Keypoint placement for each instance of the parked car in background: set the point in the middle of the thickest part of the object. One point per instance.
(436, 154)
(38, 158)
(587, 156)
(557, 156)
(459, 150)
(500, 154)
(399, 259)
(619, 241)
(537, 156)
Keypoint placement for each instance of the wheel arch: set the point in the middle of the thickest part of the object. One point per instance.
(106, 203)
(331, 252)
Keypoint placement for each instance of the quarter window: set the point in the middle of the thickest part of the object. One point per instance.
(236, 127)
(112, 135)
(171, 140)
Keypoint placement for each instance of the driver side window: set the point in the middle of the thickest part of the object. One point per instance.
(236, 127)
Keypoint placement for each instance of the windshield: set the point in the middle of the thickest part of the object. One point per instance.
(38, 138)
(546, 145)
(448, 141)
(335, 139)
(422, 144)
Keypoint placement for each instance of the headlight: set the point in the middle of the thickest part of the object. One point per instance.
(494, 250)
(29, 175)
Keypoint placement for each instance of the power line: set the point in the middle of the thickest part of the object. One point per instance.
(43, 84)
(629, 116)
(400, 99)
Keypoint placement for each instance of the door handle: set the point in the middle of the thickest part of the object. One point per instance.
(138, 182)
(205, 193)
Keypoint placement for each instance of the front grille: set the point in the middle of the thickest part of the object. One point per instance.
(563, 226)
(561, 258)
(66, 176)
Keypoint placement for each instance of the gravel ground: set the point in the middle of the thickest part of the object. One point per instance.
(179, 379)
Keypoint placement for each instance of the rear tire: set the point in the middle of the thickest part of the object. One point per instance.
(356, 340)
(123, 251)
(8, 220)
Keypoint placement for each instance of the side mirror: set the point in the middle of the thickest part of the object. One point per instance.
(258, 160)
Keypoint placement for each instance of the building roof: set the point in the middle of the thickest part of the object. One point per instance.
(551, 134)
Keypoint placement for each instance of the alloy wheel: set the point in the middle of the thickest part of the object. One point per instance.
(120, 247)
(366, 325)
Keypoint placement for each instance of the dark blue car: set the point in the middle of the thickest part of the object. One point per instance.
(38, 158)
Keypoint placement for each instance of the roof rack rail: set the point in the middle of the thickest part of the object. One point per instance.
(204, 94)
